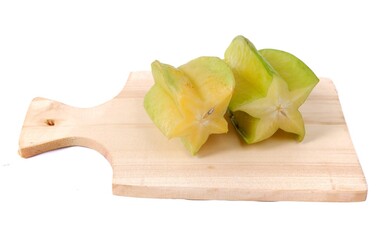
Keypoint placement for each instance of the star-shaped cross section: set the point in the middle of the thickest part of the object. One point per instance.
(278, 110)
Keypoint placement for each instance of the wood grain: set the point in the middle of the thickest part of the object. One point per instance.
(324, 167)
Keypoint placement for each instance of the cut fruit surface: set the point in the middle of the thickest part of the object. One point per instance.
(271, 85)
(190, 101)
(279, 109)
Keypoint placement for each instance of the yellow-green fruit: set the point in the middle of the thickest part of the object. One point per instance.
(271, 85)
(190, 101)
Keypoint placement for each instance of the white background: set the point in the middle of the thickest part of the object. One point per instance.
(81, 52)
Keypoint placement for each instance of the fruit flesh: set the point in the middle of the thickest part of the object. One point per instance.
(190, 101)
(259, 110)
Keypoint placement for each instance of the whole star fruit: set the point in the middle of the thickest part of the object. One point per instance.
(190, 101)
(271, 85)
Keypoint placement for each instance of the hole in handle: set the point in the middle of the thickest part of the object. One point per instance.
(50, 122)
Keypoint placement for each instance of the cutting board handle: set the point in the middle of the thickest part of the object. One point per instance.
(52, 125)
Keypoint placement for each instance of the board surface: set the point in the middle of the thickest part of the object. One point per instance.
(323, 167)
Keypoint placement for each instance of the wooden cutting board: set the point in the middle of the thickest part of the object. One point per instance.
(324, 167)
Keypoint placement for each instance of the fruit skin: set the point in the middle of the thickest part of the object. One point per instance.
(252, 74)
(190, 101)
(293, 70)
(271, 85)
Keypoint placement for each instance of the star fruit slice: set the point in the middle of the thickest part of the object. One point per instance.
(190, 101)
(271, 85)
